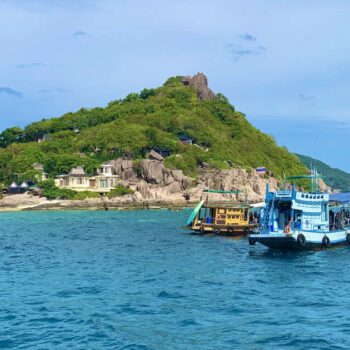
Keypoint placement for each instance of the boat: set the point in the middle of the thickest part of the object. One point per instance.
(223, 218)
(299, 220)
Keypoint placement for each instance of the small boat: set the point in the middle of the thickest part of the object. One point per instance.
(225, 218)
(294, 219)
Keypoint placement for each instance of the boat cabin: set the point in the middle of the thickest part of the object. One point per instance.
(223, 217)
(291, 209)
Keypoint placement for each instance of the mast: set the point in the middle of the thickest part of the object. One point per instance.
(313, 178)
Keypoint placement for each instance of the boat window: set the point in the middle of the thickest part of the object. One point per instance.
(302, 196)
(306, 196)
(324, 216)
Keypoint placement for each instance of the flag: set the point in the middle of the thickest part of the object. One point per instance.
(260, 170)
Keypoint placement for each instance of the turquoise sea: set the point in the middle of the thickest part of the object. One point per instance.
(136, 280)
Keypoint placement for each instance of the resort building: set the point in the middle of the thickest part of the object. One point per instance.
(186, 140)
(78, 180)
(41, 175)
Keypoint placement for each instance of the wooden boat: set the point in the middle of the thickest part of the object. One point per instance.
(301, 220)
(225, 218)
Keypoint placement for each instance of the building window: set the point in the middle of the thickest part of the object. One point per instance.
(80, 180)
(103, 183)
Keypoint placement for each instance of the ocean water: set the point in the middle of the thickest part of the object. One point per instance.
(136, 280)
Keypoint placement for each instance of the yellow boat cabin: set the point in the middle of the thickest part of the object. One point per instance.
(226, 218)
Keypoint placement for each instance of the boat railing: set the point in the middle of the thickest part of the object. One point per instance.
(225, 204)
(283, 194)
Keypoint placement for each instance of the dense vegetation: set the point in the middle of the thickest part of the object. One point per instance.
(151, 119)
(119, 191)
(50, 191)
(336, 178)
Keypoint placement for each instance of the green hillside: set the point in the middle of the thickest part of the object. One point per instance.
(151, 119)
(336, 178)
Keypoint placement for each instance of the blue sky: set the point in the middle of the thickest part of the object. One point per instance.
(283, 63)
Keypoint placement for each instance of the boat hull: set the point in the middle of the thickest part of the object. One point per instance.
(232, 231)
(302, 240)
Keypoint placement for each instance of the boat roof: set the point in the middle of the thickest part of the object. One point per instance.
(225, 205)
(258, 205)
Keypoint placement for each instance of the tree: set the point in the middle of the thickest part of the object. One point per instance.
(11, 135)
(146, 93)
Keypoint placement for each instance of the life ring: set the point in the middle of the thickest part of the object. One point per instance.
(251, 240)
(326, 242)
(348, 238)
(301, 240)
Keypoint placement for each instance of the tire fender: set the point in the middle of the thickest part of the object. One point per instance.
(301, 240)
(251, 241)
(326, 242)
(348, 238)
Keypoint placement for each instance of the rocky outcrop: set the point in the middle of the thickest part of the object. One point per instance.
(152, 171)
(155, 182)
(251, 187)
(22, 202)
(124, 168)
(155, 155)
(200, 83)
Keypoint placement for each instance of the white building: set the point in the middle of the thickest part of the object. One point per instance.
(41, 176)
(77, 180)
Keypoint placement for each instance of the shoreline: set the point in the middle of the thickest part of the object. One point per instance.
(17, 203)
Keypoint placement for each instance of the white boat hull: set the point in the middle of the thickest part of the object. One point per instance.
(302, 240)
